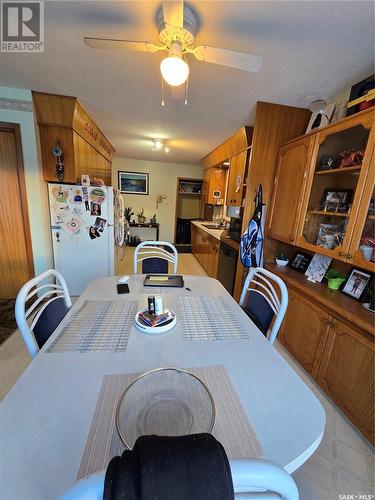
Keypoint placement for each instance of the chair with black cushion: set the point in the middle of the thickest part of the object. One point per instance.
(155, 257)
(40, 307)
(262, 303)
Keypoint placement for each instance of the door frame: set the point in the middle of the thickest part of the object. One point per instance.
(16, 130)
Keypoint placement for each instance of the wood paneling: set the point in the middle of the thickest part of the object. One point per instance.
(346, 374)
(274, 125)
(289, 186)
(237, 142)
(16, 262)
(304, 331)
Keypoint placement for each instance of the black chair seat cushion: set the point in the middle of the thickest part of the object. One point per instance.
(49, 320)
(154, 265)
(259, 311)
(191, 467)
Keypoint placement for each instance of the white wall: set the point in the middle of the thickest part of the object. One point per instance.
(162, 180)
(36, 188)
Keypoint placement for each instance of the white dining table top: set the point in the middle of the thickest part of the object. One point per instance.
(46, 417)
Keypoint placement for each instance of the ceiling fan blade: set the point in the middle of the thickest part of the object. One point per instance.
(109, 43)
(173, 12)
(231, 58)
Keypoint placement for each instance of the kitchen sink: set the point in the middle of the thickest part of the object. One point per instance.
(212, 226)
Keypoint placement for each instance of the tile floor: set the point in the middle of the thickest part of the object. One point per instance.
(342, 465)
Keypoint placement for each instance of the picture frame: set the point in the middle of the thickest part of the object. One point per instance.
(300, 262)
(357, 283)
(318, 267)
(336, 200)
(321, 119)
(133, 182)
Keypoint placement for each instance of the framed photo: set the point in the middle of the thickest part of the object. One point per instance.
(133, 182)
(300, 262)
(356, 284)
(336, 200)
(328, 236)
(318, 267)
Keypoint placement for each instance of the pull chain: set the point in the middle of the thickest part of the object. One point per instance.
(162, 91)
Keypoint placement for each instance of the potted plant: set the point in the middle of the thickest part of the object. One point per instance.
(335, 279)
(153, 219)
(128, 212)
(369, 303)
(281, 259)
(141, 216)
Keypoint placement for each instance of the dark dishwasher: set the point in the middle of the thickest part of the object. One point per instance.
(226, 269)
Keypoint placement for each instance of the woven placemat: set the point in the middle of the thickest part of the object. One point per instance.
(208, 318)
(97, 326)
(232, 426)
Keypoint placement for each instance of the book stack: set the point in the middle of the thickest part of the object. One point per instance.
(152, 320)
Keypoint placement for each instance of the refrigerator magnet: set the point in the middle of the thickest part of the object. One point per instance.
(93, 232)
(95, 208)
(97, 195)
(100, 224)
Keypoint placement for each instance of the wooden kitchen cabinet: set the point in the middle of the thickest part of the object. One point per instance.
(346, 374)
(304, 331)
(236, 182)
(214, 183)
(206, 250)
(332, 337)
(332, 224)
(289, 186)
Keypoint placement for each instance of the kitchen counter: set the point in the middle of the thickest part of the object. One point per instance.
(216, 233)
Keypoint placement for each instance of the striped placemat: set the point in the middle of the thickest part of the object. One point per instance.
(97, 326)
(208, 318)
(232, 426)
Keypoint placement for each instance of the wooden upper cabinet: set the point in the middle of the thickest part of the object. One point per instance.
(346, 374)
(289, 186)
(336, 198)
(237, 170)
(214, 184)
(304, 331)
(85, 150)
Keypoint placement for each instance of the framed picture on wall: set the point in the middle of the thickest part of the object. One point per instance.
(133, 182)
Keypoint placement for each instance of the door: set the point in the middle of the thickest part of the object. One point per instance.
(346, 374)
(82, 240)
(16, 263)
(236, 179)
(289, 186)
(362, 246)
(304, 331)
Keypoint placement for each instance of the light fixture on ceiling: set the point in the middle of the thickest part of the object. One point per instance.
(173, 68)
(159, 145)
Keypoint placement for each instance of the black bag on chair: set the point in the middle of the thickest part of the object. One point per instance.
(192, 467)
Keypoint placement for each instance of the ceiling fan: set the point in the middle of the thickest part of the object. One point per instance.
(177, 26)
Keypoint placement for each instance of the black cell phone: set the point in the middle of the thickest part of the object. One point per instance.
(122, 288)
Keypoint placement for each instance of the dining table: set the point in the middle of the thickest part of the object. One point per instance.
(48, 418)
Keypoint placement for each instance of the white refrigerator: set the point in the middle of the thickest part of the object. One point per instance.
(86, 223)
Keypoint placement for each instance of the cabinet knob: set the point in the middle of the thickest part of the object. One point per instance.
(342, 254)
(349, 256)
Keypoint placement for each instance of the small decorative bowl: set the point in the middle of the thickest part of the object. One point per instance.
(282, 263)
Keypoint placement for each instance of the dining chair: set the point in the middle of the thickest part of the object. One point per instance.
(254, 478)
(50, 303)
(155, 257)
(260, 301)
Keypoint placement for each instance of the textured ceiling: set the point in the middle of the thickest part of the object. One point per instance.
(311, 49)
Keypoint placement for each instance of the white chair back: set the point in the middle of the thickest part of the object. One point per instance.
(261, 279)
(252, 479)
(46, 293)
(155, 249)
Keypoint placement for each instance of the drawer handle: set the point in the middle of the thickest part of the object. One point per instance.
(349, 256)
(342, 254)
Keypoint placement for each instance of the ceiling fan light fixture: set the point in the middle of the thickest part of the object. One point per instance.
(158, 144)
(174, 70)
